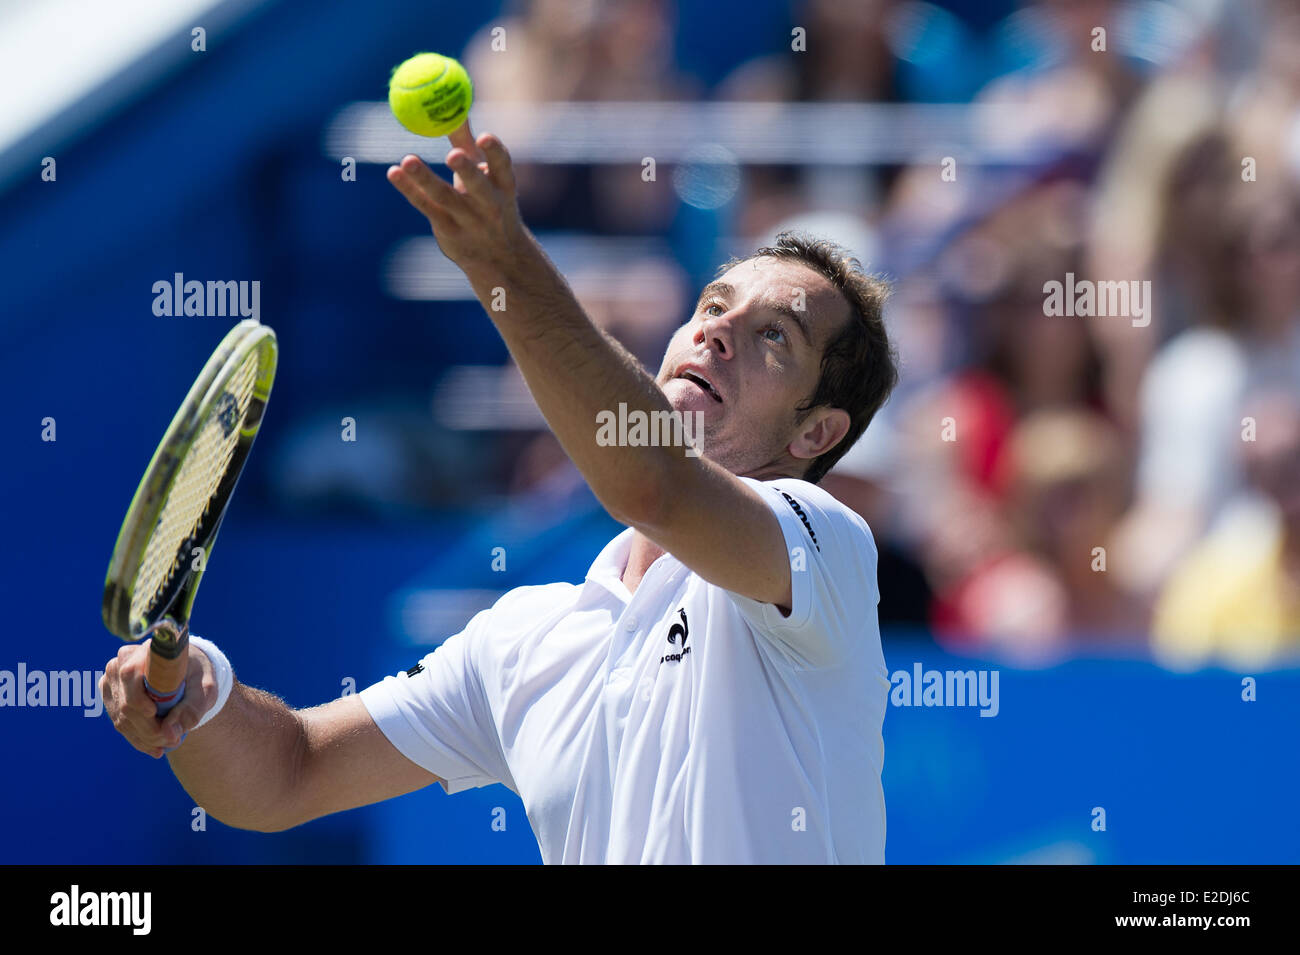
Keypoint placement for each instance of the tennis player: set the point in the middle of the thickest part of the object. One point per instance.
(715, 690)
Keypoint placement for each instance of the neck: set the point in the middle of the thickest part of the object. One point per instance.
(643, 553)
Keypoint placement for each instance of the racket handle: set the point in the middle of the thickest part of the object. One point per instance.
(164, 701)
(165, 669)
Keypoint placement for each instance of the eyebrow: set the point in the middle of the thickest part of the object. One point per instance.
(726, 290)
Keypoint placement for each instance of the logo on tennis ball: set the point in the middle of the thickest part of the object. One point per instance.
(430, 94)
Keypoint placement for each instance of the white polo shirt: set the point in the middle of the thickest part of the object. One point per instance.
(681, 723)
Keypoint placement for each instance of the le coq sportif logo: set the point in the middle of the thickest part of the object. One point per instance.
(677, 635)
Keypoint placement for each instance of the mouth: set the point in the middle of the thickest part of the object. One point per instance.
(698, 378)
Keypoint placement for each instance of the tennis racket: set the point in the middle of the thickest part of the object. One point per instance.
(167, 537)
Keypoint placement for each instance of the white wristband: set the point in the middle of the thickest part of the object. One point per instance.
(225, 675)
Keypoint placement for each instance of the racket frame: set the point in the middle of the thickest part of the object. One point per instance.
(166, 619)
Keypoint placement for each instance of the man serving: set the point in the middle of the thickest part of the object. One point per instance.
(714, 691)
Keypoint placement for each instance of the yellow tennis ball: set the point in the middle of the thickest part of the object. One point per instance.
(430, 94)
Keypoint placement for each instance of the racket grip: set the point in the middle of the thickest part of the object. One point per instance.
(164, 701)
(165, 669)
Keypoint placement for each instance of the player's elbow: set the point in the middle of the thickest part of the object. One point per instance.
(273, 825)
(640, 508)
(242, 817)
(645, 498)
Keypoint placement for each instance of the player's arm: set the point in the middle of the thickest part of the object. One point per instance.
(693, 508)
(259, 764)
(705, 516)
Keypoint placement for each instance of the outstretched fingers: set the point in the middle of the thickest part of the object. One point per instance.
(475, 178)
(463, 138)
(433, 197)
(501, 170)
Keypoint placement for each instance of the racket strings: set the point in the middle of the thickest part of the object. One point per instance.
(191, 494)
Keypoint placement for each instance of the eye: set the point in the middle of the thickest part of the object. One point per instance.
(708, 306)
(779, 331)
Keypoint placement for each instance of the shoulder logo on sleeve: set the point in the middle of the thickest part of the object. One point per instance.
(803, 517)
(418, 668)
(678, 631)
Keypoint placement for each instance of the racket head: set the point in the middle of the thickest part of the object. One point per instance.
(182, 497)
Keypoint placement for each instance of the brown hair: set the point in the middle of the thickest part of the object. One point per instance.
(858, 369)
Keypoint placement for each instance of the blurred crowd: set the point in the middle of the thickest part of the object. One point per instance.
(1039, 483)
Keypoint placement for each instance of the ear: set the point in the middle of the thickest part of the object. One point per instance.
(821, 431)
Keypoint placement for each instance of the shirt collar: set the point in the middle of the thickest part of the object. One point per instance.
(607, 569)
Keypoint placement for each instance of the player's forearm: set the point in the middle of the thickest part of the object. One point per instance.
(242, 767)
(575, 371)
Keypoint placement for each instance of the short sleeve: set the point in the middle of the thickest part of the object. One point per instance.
(832, 578)
(438, 716)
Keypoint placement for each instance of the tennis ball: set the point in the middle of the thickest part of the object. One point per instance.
(430, 94)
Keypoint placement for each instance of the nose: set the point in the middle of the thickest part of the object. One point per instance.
(717, 332)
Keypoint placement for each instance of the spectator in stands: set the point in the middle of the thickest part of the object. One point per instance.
(847, 58)
(1068, 485)
(1236, 598)
(559, 51)
(1188, 473)
(997, 525)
